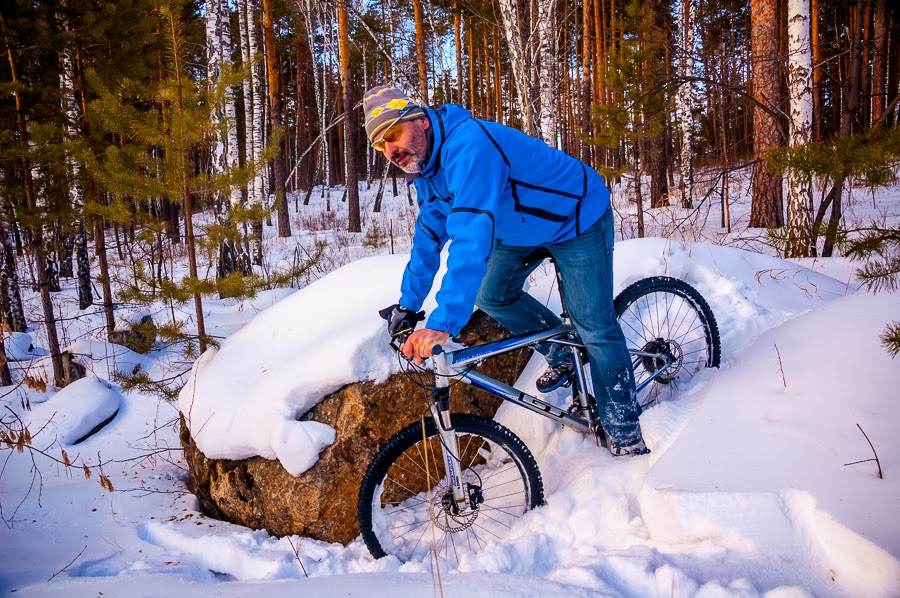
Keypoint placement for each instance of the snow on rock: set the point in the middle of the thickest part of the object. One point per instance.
(76, 411)
(244, 399)
(127, 318)
(18, 346)
(106, 360)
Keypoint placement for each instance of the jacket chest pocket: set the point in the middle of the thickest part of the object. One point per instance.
(438, 190)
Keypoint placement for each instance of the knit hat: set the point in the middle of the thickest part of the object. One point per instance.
(384, 106)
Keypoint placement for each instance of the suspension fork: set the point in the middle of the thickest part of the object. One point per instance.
(440, 412)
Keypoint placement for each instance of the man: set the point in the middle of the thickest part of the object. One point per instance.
(497, 195)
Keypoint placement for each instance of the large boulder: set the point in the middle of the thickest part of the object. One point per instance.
(321, 502)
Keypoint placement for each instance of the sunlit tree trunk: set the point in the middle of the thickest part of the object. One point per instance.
(879, 59)
(766, 209)
(419, 18)
(350, 126)
(276, 119)
(817, 91)
(799, 76)
(586, 81)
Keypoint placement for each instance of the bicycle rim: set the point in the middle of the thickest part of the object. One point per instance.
(404, 505)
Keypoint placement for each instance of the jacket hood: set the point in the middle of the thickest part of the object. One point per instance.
(444, 121)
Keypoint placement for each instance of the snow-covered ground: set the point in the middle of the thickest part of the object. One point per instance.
(746, 492)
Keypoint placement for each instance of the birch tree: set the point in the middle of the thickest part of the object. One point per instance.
(548, 65)
(13, 315)
(253, 116)
(75, 193)
(224, 148)
(799, 77)
(683, 101)
(511, 24)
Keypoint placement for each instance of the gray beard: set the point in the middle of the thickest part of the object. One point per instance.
(414, 166)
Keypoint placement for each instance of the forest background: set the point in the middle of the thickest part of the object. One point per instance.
(139, 130)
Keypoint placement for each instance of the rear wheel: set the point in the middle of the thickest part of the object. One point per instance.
(405, 506)
(668, 316)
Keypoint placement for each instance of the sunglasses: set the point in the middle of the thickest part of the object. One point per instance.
(391, 133)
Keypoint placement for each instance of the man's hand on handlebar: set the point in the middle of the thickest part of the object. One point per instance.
(416, 344)
(420, 343)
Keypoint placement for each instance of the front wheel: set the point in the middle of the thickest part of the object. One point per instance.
(405, 504)
(667, 316)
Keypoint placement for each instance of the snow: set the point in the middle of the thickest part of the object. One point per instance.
(746, 492)
(77, 410)
(18, 346)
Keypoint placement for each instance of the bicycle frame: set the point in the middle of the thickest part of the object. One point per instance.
(459, 364)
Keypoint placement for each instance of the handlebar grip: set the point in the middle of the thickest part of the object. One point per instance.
(437, 350)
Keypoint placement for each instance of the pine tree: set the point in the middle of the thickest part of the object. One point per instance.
(637, 113)
(168, 122)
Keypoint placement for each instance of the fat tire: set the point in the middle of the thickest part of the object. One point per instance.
(409, 437)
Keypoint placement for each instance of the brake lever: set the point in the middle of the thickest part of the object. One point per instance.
(399, 340)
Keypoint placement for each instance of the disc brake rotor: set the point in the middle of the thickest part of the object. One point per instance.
(669, 348)
(442, 514)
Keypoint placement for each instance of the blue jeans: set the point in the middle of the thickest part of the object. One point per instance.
(585, 264)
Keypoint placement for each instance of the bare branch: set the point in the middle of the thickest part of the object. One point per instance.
(877, 461)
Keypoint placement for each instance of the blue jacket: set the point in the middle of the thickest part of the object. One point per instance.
(485, 183)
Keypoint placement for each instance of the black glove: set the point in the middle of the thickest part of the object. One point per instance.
(401, 320)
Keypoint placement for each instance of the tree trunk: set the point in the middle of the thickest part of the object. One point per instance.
(85, 293)
(817, 73)
(419, 17)
(684, 99)
(848, 116)
(766, 209)
(253, 121)
(10, 295)
(799, 76)
(100, 251)
(548, 65)
(179, 145)
(350, 122)
(460, 68)
(276, 118)
(879, 59)
(224, 150)
(515, 47)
